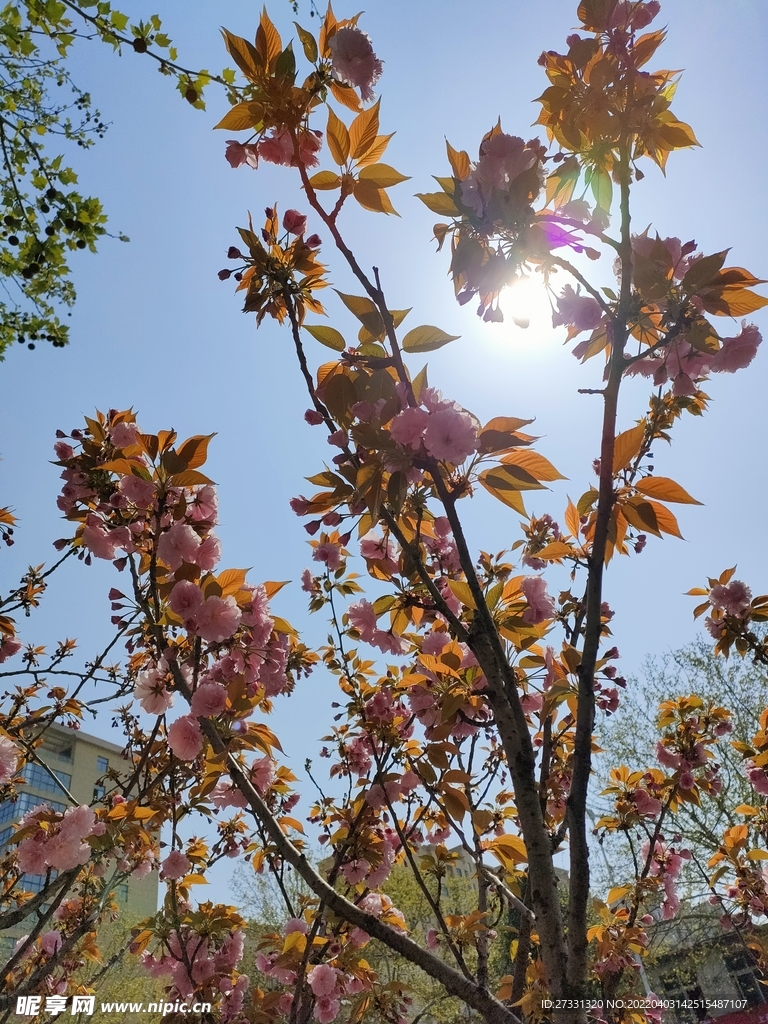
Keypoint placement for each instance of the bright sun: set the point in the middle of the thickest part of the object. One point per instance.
(526, 303)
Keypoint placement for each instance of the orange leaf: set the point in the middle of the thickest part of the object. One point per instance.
(665, 489)
(627, 446)
(364, 131)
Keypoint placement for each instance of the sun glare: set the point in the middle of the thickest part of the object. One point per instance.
(526, 304)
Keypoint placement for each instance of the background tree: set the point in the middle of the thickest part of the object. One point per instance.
(44, 114)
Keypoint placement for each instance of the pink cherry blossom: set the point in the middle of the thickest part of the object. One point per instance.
(758, 779)
(217, 619)
(354, 61)
(263, 773)
(208, 700)
(362, 618)
(204, 505)
(63, 450)
(294, 223)
(185, 738)
(151, 692)
(9, 759)
(540, 605)
(227, 795)
(388, 643)
(186, 597)
(9, 645)
(64, 851)
(123, 434)
(138, 491)
(278, 148)
(451, 435)
(237, 154)
(322, 980)
(668, 758)
(407, 428)
(104, 543)
(354, 871)
(177, 545)
(737, 353)
(647, 806)
(579, 311)
(434, 642)
(296, 924)
(209, 553)
(175, 865)
(51, 942)
(329, 553)
(326, 1009)
(733, 598)
(31, 856)
(78, 822)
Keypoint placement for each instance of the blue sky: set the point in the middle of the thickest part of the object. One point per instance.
(156, 330)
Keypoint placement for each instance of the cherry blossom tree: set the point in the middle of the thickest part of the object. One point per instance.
(469, 692)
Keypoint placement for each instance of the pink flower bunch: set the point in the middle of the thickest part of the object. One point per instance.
(151, 689)
(442, 548)
(263, 774)
(225, 794)
(445, 430)
(381, 550)
(329, 552)
(9, 759)
(209, 967)
(732, 598)
(683, 364)
(541, 606)
(362, 617)
(357, 755)
(580, 311)
(278, 147)
(75, 489)
(185, 738)
(757, 778)
(62, 847)
(9, 645)
(175, 865)
(502, 160)
(647, 806)
(633, 16)
(353, 60)
(104, 542)
(236, 154)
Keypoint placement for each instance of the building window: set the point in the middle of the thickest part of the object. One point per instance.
(39, 777)
(26, 802)
(61, 749)
(32, 883)
(741, 968)
(121, 892)
(98, 792)
(5, 835)
(102, 765)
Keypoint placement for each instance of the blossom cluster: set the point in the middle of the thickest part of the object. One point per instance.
(194, 961)
(56, 841)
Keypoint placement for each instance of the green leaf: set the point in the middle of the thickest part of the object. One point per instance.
(308, 43)
(382, 175)
(242, 117)
(426, 338)
(439, 203)
(419, 383)
(327, 336)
